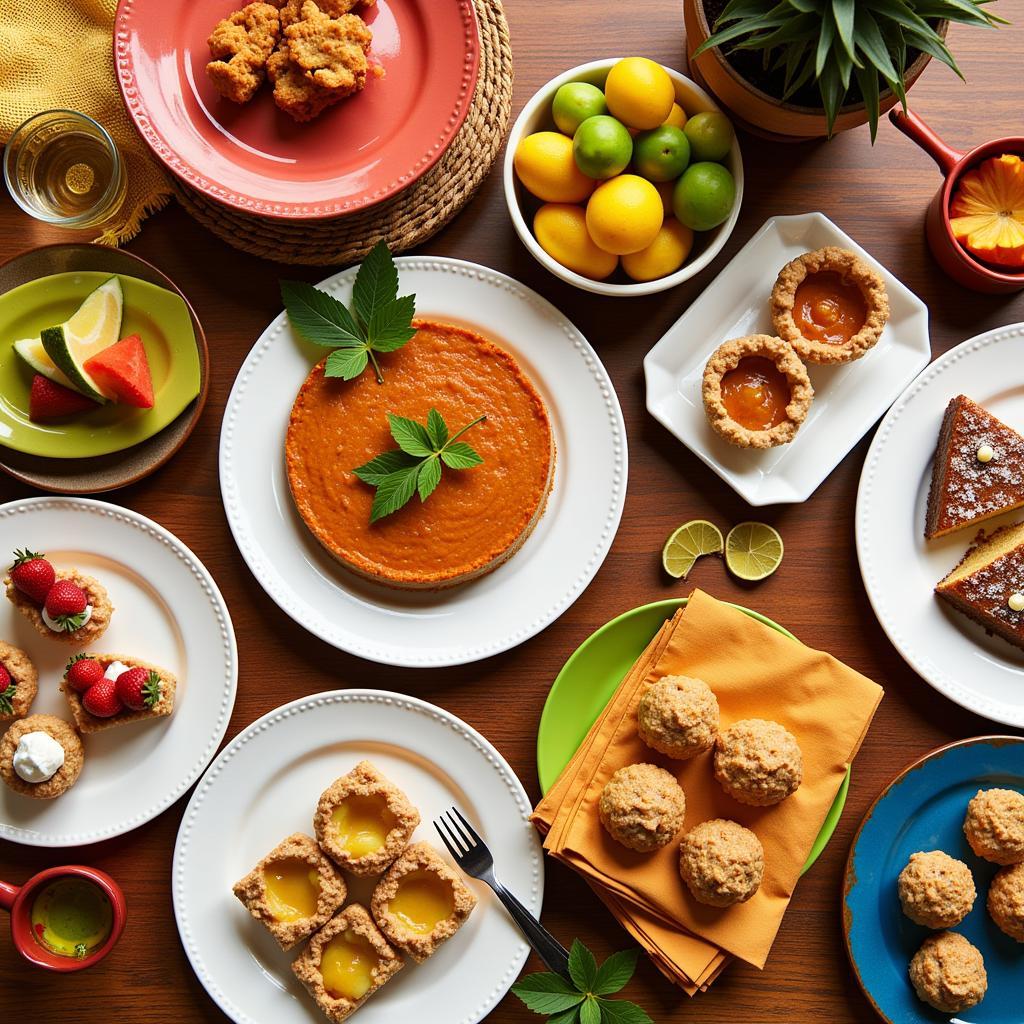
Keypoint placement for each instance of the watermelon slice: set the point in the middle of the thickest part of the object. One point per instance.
(51, 401)
(121, 372)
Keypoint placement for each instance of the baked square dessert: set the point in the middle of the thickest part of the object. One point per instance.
(19, 683)
(421, 902)
(978, 470)
(346, 962)
(104, 690)
(240, 46)
(293, 890)
(41, 756)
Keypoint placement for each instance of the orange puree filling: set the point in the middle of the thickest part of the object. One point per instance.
(756, 393)
(828, 308)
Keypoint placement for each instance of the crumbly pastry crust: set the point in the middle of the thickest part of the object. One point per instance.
(727, 357)
(1006, 900)
(758, 762)
(642, 806)
(65, 777)
(88, 723)
(854, 271)
(291, 10)
(96, 595)
(252, 894)
(936, 890)
(365, 781)
(307, 967)
(678, 717)
(721, 862)
(994, 825)
(240, 46)
(948, 973)
(420, 857)
(25, 678)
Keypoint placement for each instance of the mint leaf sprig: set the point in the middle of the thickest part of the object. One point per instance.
(583, 999)
(379, 321)
(415, 466)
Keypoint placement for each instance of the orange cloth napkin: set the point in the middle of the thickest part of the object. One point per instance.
(756, 672)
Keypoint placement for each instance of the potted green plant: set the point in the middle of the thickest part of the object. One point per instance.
(802, 69)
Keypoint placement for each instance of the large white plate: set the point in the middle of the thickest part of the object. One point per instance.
(167, 610)
(265, 785)
(464, 623)
(900, 568)
(847, 399)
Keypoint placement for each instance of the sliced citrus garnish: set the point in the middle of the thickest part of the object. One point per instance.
(987, 211)
(753, 551)
(693, 539)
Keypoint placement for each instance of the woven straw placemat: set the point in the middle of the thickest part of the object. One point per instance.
(408, 218)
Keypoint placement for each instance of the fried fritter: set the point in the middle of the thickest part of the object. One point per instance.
(240, 46)
(291, 10)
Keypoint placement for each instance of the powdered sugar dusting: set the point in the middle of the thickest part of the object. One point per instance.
(989, 588)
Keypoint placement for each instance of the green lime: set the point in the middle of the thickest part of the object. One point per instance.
(693, 539)
(704, 196)
(661, 154)
(574, 103)
(753, 551)
(602, 147)
(710, 134)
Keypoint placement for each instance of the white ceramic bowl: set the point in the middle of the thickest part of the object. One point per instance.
(536, 117)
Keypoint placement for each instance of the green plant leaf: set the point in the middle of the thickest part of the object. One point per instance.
(831, 94)
(735, 31)
(394, 491)
(872, 45)
(825, 41)
(547, 993)
(806, 6)
(319, 317)
(621, 1011)
(615, 972)
(590, 1011)
(569, 1016)
(376, 283)
(390, 325)
(346, 363)
(410, 436)
(429, 478)
(459, 455)
(582, 967)
(843, 11)
(437, 429)
(899, 12)
(867, 79)
(374, 471)
(936, 48)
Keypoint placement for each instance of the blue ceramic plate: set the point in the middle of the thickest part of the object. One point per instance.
(923, 809)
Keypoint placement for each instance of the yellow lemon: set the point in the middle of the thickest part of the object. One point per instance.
(546, 167)
(664, 256)
(624, 214)
(561, 229)
(639, 93)
(677, 116)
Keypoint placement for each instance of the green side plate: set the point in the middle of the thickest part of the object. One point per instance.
(158, 316)
(591, 676)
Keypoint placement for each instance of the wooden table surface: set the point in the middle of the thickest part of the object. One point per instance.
(878, 196)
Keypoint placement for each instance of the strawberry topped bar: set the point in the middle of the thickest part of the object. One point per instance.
(104, 690)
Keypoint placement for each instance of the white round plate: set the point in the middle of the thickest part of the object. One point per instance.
(900, 568)
(167, 610)
(448, 627)
(265, 786)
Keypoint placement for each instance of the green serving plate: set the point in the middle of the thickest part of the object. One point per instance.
(158, 316)
(591, 676)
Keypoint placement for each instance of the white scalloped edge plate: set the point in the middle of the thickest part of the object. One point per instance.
(479, 619)
(167, 610)
(265, 786)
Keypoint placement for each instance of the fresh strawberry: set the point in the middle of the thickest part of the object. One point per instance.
(101, 699)
(50, 401)
(7, 691)
(83, 672)
(33, 575)
(138, 688)
(65, 604)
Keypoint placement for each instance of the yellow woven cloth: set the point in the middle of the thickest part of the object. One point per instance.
(60, 53)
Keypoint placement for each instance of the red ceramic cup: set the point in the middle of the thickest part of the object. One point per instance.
(954, 259)
(18, 900)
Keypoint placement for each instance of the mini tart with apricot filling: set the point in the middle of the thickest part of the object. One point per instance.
(165, 686)
(829, 305)
(345, 962)
(364, 821)
(756, 391)
(20, 690)
(293, 890)
(421, 902)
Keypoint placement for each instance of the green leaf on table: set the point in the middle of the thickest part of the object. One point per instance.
(570, 1016)
(547, 993)
(621, 1011)
(582, 967)
(590, 1011)
(615, 972)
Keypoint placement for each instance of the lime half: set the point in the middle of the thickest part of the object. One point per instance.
(693, 539)
(753, 551)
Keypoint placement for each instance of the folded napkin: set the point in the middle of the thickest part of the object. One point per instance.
(756, 672)
(60, 53)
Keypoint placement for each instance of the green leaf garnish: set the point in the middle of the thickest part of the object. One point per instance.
(380, 320)
(7, 698)
(415, 466)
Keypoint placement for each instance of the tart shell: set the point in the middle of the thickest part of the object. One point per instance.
(88, 723)
(96, 593)
(25, 678)
(65, 777)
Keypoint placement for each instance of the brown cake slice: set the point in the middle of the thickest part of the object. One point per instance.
(978, 471)
(988, 585)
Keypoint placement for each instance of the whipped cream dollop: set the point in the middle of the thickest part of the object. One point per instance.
(38, 758)
(55, 626)
(114, 669)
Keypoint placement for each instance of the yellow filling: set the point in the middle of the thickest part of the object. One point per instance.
(422, 902)
(347, 964)
(363, 824)
(292, 889)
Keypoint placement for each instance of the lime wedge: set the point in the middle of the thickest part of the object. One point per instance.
(753, 551)
(693, 539)
(32, 351)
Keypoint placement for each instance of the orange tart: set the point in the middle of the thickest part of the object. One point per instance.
(475, 519)
(829, 305)
(756, 391)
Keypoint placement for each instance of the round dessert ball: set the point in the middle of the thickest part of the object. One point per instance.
(721, 862)
(758, 762)
(642, 806)
(994, 825)
(936, 890)
(678, 717)
(948, 973)
(1006, 900)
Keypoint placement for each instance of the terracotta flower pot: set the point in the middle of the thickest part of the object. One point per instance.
(761, 113)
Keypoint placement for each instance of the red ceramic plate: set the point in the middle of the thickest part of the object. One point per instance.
(258, 159)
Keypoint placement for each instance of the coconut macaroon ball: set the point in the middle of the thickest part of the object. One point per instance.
(642, 806)
(1006, 900)
(948, 973)
(678, 717)
(758, 762)
(936, 890)
(721, 862)
(994, 825)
